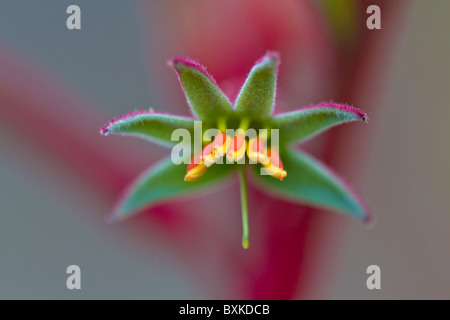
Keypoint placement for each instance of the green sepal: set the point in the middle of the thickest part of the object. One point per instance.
(257, 96)
(311, 183)
(161, 182)
(305, 123)
(203, 95)
(148, 125)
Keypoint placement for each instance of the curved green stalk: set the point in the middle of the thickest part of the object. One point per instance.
(244, 206)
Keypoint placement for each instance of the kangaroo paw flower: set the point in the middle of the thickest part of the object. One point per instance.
(308, 182)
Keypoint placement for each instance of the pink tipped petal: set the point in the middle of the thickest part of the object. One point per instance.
(272, 56)
(122, 119)
(341, 106)
(162, 182)
(186, 61)
(156, 127)
(203, 95)
(307, 122)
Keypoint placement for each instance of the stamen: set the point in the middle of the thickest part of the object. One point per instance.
(195, 171)
(236, 151)
(217, 149)
(275, 167)
(257, 152)
(208, 156)
(221, 144)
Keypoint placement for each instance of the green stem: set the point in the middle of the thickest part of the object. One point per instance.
(244, 206)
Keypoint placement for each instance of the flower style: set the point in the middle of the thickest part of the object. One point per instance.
(298, 176)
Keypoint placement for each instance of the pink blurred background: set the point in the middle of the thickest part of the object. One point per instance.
(58, 177)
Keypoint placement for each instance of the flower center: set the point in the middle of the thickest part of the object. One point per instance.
(233, 145)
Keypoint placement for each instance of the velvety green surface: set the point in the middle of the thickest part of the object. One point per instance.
(307, 181)
(303, 124)
(205, 99)
(152, 126)
(257, 96)
(162, 181)
(311, 183)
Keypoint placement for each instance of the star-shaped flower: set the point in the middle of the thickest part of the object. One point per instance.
(277, 168)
